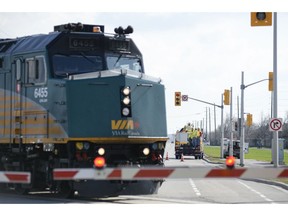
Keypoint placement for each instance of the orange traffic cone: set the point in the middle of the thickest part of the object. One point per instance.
(182, 158)
(167, 158)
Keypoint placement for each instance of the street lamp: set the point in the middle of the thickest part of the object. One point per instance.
(242, 128)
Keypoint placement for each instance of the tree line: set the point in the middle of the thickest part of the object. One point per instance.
(257, 135)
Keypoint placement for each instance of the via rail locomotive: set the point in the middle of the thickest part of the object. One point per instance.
(73, 95)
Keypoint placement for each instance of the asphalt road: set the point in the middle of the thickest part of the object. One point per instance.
(182, 191)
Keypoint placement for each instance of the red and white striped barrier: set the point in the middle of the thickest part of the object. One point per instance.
(15, 177)
(167, 173)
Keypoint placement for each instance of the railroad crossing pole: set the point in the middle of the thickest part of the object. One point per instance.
(275, 107)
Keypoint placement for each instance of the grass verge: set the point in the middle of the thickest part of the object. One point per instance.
(213, 154)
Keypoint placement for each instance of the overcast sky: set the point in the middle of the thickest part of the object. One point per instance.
(197, 53)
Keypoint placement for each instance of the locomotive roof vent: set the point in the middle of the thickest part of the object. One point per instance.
(79, 27)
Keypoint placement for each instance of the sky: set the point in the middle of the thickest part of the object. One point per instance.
(197, 52)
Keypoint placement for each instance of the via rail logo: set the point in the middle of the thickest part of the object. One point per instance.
(275, 124)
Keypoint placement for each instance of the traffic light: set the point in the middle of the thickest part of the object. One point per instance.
(270, 81)
(226, 97)
(236, 126)
(178, 98)
(261, 18)
(249, 119)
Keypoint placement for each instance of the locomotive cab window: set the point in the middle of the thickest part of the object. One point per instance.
(124, 62)
(36, 70)
(64, 65)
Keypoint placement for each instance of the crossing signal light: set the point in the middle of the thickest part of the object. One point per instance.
(226, 97)
(178, 98)
(270, 81)
(261, 18)
(230, 162)
(99, 162)
(249, 119)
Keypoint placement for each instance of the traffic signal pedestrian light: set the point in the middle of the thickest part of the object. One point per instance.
(226, 97)
(178, 98)
(249, 119)
(270, 81)
(261, 18)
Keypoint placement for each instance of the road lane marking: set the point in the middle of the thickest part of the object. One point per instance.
(257, 192)
(195, 189)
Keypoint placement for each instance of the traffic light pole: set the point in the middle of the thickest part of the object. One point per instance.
(231, 125)
(242, 128)
(275, 111)
(222, 126)
(242, 125)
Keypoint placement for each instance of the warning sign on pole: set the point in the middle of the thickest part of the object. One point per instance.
(275, 124)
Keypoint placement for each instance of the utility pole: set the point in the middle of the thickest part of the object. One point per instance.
(222, 128)
(231, 125)
(210, 125)
(275, 100)
(265, 19)
(242, 121)
(242, 128)
(207, 135)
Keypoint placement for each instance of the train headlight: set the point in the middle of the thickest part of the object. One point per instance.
(101, 151)
(146, 151)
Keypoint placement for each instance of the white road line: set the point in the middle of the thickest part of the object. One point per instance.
(197, 192)
(255, 191)
(159, 199)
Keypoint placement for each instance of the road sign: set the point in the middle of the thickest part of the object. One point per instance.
(275, 124)
(184, 97)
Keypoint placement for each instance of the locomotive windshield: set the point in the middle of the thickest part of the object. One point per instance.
(126, 62)
(64, 65)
